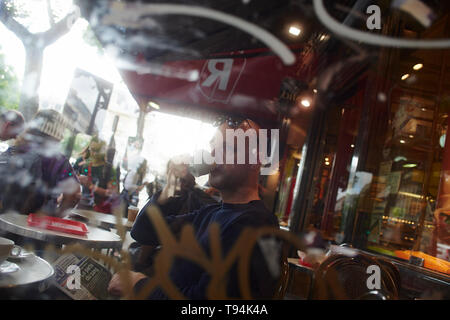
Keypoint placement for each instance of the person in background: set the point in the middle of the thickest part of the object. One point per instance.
(241, 209)
(187, 196)
(133, 184)
(35, 175)
(100, 190)
(154, 187)
(12, 124)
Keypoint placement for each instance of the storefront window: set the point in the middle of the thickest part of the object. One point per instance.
(406, 196)
(382, 184)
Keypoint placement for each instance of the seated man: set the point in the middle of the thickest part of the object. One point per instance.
(35, 175)
(188, 198)
(241, 208)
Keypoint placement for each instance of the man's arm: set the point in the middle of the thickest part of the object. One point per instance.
(195, 292)
(143, 230)
(69, 199)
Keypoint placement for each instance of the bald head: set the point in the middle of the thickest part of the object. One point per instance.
(11, 124)
(240, 167)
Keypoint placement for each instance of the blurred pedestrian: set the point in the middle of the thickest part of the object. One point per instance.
(100, 189)
(133, 184)
(35, 175)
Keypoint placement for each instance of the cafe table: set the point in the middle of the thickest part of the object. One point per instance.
(102, 220)
(95, 238)
(24, 275)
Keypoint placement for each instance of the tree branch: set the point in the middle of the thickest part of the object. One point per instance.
(19, 30)
(51, 18)
(59, 29)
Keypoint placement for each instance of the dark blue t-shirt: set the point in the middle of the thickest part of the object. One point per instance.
(232, 219)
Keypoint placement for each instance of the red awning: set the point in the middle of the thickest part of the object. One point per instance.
(232, 83)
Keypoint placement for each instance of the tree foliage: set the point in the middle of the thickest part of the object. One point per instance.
(9, 86)
(91, 39)
(34, 44)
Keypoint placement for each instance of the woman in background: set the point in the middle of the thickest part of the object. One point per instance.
(98, 178)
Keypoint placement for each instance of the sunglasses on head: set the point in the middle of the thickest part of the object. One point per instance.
(232, 122)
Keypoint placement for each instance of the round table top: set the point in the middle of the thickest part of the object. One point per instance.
(96, 238)
(100, 219)
(32, 270)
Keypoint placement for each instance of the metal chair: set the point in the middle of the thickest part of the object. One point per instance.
(281, 289)
(342, 277)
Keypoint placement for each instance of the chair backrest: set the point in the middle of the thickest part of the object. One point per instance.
(343, 277)
(283, 281)
(281, 288)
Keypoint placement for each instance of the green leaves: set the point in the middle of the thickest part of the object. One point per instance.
(9, 86)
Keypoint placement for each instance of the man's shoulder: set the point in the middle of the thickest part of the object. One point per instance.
(261, 216)
(208, 210)
(255, 214)
(211, 207)
(259, 207)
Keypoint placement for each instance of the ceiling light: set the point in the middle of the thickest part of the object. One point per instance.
(153, 105)
(295, 31)
(315, 90)
(405, 76)
(410, 165)
(306, 103)
(352, 146)
(402, 141)
(411, 136)
(418, 66)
